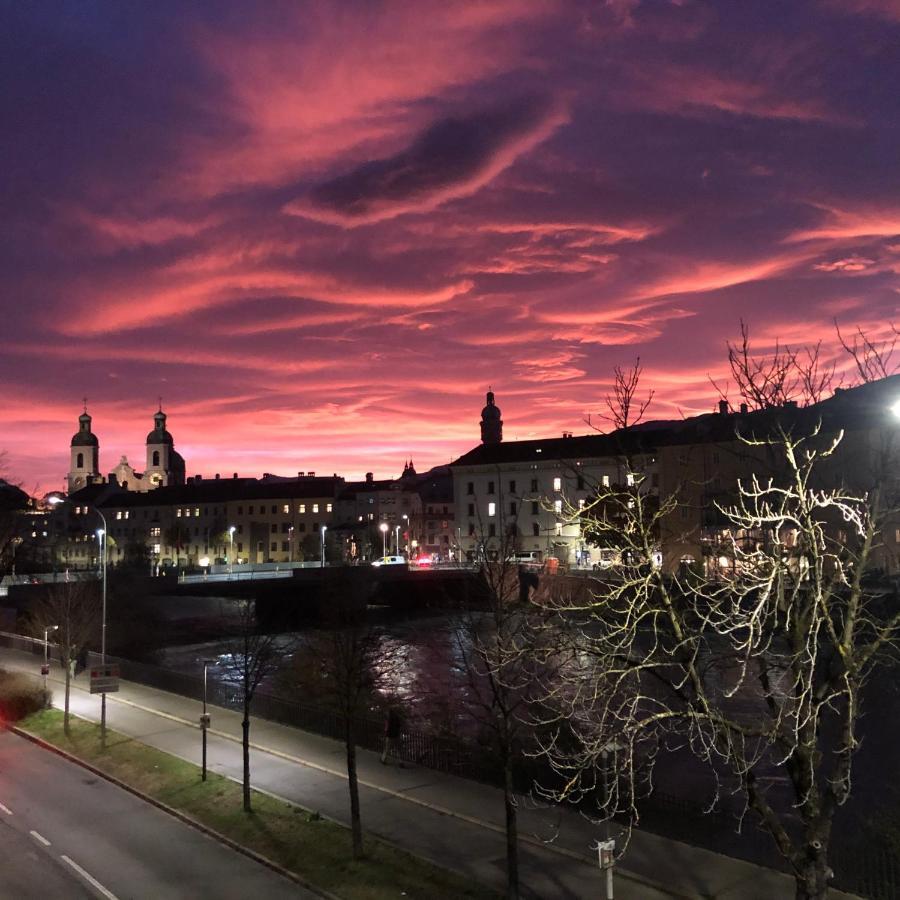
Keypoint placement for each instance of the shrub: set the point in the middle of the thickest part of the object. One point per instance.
(20, 696)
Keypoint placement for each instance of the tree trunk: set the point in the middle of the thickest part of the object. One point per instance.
(245, 728)
(66, 703)
(512, 829)
(355, 820)
(812, 876)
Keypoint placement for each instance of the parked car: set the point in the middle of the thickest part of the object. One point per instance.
(389, 561)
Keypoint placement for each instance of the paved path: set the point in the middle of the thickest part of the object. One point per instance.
(452, 821)
(65, 832)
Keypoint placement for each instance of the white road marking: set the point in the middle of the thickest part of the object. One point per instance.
(40, 837)
(89, 878)
(5, 809)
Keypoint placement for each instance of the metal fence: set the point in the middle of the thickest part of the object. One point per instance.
(868, 871)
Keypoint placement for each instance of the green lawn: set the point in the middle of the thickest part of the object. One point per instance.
(318, 850)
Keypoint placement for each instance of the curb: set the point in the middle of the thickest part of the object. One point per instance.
(182, 817)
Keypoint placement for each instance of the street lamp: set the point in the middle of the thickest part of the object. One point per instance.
(103, 625)
(291, 543)
(323, 530)
(231, 531)
(384, 530)
(204, 719)
(45, 669)
(397, 539)
(408, 535)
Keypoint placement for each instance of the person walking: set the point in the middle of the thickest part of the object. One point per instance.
(393, 727)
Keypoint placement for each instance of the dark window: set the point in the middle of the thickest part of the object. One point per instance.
(79, 461)
(274, 528)
(536, 529)
(250, 510)
(512, 509)
(471, 509)
(471, 529)
(469, 490)
(512, 486)
(285, 527)
(274, 546)
(156, 457)
(240, 547)
(240, 510)
(580, 483)
(535, 508)
(315, 526)
(490, 487)
(492, 530)
(654, 479)
(285, 547)
(534, 484)
(301, 526)
(240, 529)
(274, 509)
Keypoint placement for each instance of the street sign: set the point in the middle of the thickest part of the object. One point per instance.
(45, 669)
(204, 720)
(104, 679)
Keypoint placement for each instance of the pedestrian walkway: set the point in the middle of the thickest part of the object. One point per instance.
(451, 821)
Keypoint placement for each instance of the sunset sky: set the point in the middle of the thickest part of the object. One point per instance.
(320, 231)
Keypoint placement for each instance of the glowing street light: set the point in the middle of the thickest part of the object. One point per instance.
(45, 669)
(397, 539)
(384, 530)
(324, 529)
(231, 531)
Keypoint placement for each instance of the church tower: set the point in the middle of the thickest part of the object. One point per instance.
(491, 423)
(164, 465)
(84, 467)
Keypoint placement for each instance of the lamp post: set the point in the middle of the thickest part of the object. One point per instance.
(397, 539)
(204, 718)
(103, 626)
(408, 535)
(323, 530)
(291, 543)
(384, 530)
(45, 669)
(231, 531)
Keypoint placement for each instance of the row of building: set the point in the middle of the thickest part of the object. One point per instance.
(501, 496)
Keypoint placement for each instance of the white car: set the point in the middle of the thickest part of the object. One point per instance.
(390, 561)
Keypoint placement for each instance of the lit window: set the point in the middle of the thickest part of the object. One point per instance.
(557, 506)
(154, 532)
(327, 507)
(286, 509)
(557, 484)
(315, 507)
(119, 514)
(178, 513)
(197, 511)
(629, 479)
(156, 548)
(581, 503)
(605, 481)
(302, 508)
(492, 509)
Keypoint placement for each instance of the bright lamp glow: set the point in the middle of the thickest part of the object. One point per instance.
(895, 408)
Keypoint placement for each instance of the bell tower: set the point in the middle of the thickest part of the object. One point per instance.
(84, 459)
(491, 423)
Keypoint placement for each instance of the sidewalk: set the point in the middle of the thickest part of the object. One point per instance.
(453, 822)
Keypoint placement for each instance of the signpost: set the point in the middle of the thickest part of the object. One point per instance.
(104, 679)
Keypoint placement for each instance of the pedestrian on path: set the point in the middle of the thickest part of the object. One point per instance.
(393, 728)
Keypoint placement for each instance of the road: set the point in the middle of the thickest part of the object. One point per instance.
(67, 833)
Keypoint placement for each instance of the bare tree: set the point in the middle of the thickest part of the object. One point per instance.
(255, 655)
(873, 359)
(352, 664)
(72, 610)
(624, 409)
(793, 626)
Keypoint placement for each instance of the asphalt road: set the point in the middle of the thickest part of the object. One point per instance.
(66, 833)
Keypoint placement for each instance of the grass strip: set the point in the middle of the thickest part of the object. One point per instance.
(317, 849)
